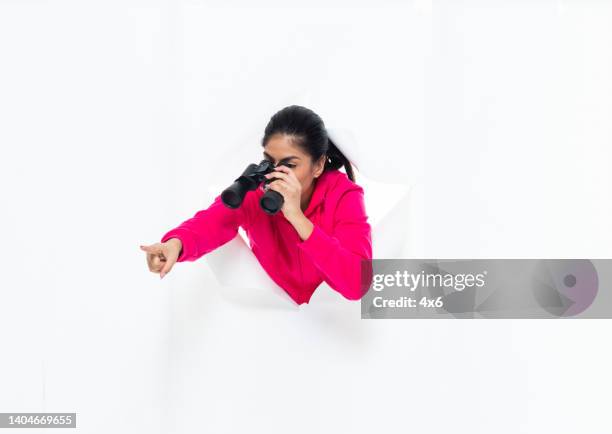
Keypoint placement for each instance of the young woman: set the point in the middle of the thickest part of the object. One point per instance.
(322, 232)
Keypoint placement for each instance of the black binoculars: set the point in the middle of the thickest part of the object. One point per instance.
(271, 201)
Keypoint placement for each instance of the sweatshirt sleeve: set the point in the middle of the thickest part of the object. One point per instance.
(344, 256)
(207, 229)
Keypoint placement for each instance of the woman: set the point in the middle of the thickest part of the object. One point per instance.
(321, 233)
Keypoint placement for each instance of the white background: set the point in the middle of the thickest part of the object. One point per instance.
(116, 117)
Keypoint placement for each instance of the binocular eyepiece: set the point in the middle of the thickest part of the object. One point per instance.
(271, 201)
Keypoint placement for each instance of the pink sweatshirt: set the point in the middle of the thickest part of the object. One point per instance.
(338, 251)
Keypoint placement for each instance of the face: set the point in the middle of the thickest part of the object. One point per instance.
(280, 149)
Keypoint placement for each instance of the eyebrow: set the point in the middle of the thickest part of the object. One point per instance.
(284, 159)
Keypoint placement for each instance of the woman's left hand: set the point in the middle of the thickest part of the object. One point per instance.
(289, 186)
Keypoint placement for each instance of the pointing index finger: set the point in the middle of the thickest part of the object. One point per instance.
(151, 249)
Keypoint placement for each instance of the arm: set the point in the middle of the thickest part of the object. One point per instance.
(207, 229)
(339, 255)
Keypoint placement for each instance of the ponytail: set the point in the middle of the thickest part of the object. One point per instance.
(335, 159)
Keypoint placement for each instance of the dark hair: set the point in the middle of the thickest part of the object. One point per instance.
(308, 132)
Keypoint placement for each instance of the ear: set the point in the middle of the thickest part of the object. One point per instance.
(319, 166)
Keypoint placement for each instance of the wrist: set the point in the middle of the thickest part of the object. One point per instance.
(302, 225)
(176, 242)
(296, 217)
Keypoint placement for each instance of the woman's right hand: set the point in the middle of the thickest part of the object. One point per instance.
(162, 256)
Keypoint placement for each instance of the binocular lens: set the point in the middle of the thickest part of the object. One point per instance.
(271, 202)
(233, 196)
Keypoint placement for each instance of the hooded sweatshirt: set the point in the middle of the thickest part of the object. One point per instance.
(338, 251)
